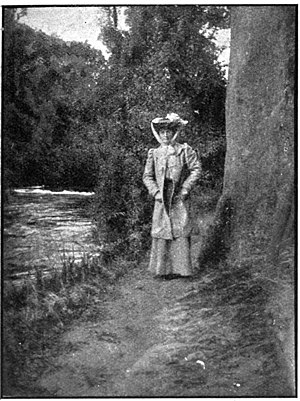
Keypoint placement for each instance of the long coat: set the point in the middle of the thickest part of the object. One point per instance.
(185, 170)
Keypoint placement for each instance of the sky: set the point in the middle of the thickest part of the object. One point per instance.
(78, 24)
(83, 24)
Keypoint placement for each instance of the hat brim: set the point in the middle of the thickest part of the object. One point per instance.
(167, 124)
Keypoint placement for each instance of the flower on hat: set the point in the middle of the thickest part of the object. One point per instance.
(173, 117)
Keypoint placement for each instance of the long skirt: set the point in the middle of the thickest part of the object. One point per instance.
(171, 257)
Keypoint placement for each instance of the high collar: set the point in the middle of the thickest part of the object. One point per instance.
(173, 149)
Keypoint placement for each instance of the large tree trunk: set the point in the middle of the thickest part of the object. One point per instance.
(259, 163)
(254, 222)
(256, 207)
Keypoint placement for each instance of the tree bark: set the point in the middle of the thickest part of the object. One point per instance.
(259, 166)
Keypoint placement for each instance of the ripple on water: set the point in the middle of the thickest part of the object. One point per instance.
(43, 227)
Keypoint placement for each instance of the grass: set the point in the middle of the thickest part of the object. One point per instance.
(246, 323)
(256, 299)
(36, 311)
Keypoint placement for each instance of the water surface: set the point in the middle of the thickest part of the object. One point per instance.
(42, 228)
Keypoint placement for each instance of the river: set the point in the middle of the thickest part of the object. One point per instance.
(42, 228)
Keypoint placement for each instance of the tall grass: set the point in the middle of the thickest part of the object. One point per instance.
(36, 310)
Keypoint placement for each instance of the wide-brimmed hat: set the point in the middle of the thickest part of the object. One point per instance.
(171, 120)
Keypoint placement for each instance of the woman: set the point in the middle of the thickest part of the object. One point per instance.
(171, 171)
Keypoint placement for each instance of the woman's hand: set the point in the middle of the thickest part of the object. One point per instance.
(184, 194)
(158, 197)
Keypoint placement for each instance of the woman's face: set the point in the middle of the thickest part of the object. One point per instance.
(166, 135)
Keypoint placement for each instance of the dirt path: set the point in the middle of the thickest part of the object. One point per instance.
(124, 354)
(157, 338)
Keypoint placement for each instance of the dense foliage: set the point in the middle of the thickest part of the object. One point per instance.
(73, 119)
(50, 136)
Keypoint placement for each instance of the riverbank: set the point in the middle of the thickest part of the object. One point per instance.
(141, 337)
